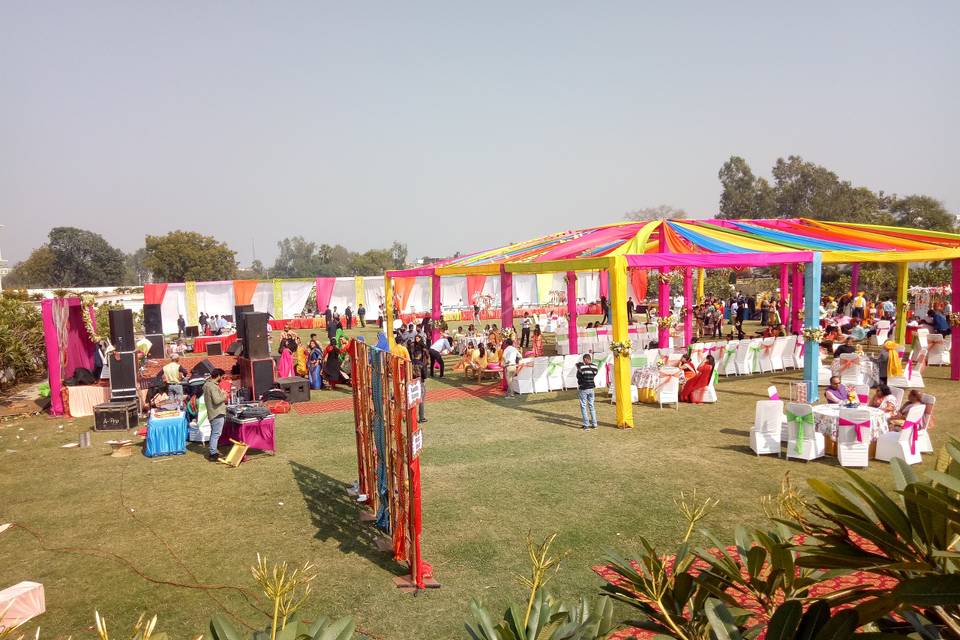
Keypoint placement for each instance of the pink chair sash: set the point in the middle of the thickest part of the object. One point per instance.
(913, 436)
(856, 425)
(665, 379)
(909, 369)
(848, 364)
(863, 398)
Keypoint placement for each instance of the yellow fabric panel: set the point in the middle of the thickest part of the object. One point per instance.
(903, 281)
(544, 286)
(701, 281)
(358, 290)
(552, 266)
(891, 256)
(863, 234)
(638, 244)
(277, 300)
(193, 318)
(478, 270)
(621, 364)
(920, 232)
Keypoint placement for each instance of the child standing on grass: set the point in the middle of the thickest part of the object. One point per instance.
(586, 372)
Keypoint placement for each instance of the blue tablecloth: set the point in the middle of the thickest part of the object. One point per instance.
(166, 436)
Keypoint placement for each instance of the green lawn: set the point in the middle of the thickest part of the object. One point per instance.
(493, 469)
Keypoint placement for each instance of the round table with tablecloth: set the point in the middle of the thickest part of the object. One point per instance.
(827, 420)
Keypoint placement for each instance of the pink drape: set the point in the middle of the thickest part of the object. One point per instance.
(604, 285)
(638, 279)
(475, 287)
(324, 292)
(718, 260)
(80, 349)
(153, 292)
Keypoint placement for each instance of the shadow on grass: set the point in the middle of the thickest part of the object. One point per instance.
(736, 432)
(336, 516)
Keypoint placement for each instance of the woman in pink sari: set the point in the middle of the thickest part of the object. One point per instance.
(285, 367)
(693, 389)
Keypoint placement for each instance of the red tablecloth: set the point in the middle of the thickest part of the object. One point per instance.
(298, 323)
(259, 434)
(200, 344)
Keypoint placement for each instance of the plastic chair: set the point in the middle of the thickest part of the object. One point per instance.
(540, 383)
(668, 390)
(924, 444)
(848, 368)
(803, 441)
(912, 377)
(853, 438)
(555, 373)
(863, 393)
(765, 434)
(789, 352)
(902, 444)
(920, 342)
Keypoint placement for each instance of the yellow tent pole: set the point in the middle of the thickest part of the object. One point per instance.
(903, 269)
(621, 363)
(701, 281)
(388, 309)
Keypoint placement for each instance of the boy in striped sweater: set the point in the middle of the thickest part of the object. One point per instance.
(586, 372)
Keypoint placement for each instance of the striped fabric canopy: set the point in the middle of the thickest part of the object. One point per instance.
(837, 242)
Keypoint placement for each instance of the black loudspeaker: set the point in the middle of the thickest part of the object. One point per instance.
(123, 375)
(192, 332)
(156, 345)
(152, 319)
(214, 348)
(238, 312)
(256, 345)
(235, 349)
(121, 329)
(256, 375)
(203, 368)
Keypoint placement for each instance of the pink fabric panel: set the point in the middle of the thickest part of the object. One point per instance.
(53, 358)
(475, 287)
(605, 285)
(412, 273)
(506, 299)
(572, 311)
(574, 248)
(80, 348)
(20, 603)
(324, 292)
(718, 260)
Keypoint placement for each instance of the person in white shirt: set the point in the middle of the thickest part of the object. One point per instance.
(439, 349)
(509, 361)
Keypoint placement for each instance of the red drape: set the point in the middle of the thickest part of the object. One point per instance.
(243, 291)
(153, 292)
(324, 292)
(475, 287)
(402, 287)
(638, 278)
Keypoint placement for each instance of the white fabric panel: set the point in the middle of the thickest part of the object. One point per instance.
(174, 305)
(344, 293)
(215, 298)
(588, 286)
(294, 296)
(373, 295)
(262, 300)
(524, 288)
(419, 300)
(453, 291)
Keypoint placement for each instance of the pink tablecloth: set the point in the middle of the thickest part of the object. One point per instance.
(82, 400)
(200, 344)
(259, 434)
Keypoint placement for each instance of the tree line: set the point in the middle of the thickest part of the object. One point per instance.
(74, 257)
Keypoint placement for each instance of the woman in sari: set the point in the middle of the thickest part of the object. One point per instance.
(693, 390)
(478, 361)
(467, 357)
(285, 366)
(686, 367)
(536, 342)
(314, 364)
(331, 372)
(301, 357)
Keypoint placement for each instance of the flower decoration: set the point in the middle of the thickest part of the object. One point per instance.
(813, 334)
(666, 322)
(954, 319)
(88, 302)
(620, 348)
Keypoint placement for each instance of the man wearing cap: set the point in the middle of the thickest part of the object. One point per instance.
(173, 375)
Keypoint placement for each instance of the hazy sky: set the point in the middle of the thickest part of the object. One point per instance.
(450, 125)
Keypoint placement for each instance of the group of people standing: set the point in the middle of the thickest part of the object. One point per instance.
(322, 366)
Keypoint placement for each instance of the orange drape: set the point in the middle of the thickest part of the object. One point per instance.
(638, 278)
(243, 291)
(401, 289)
(475, 287)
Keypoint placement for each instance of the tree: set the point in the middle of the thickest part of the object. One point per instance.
(36, 272)
(298, 258)
(136, 271)
(739, 197)
(84, 259)
(372, 263)
(660, 212)
(182, 256)
(922, 212)
(257, 268)
(399, 253)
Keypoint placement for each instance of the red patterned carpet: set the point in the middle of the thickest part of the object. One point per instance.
(827, 586)
(188, 362)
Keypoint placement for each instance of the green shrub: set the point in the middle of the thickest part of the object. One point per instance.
(21, 338)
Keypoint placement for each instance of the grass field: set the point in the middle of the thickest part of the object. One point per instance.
(493, 469)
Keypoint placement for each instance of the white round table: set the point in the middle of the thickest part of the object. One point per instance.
(827, 420)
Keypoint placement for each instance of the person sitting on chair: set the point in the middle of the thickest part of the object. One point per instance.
(884, 400)
(837, 392)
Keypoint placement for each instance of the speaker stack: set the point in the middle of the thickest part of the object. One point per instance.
(153, 328)
(123, 361)
(256, 365)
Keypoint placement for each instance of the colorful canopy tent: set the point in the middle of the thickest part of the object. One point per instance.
(799, 246)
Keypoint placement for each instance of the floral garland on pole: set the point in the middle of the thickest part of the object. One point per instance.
(954, 319)
(620, 348)
(88, 302)
(666, 322)
(813, 334)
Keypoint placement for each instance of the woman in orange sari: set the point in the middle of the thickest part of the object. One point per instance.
(687, 368)
(693, 389)
(536, 342)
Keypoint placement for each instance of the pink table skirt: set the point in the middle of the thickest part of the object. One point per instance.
(259, 434)
(200, 344)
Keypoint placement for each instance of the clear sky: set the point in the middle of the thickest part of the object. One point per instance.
(450, 125)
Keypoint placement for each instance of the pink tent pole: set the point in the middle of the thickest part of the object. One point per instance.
(784, 293)
(855, 279)
(663, 291)
(688, 305)
(437, 309)
(796, 300)
(572, 310)
(506, 298)
(53, 357)
(955, 308)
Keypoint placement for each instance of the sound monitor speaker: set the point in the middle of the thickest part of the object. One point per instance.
(192, 331)
(203, 368)
(256, 375)
(214, 348)
(156, 346)
(235, 349)
(238, 312)
(121, 329)
(152, 319)
(123, 374)
(256, 343)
